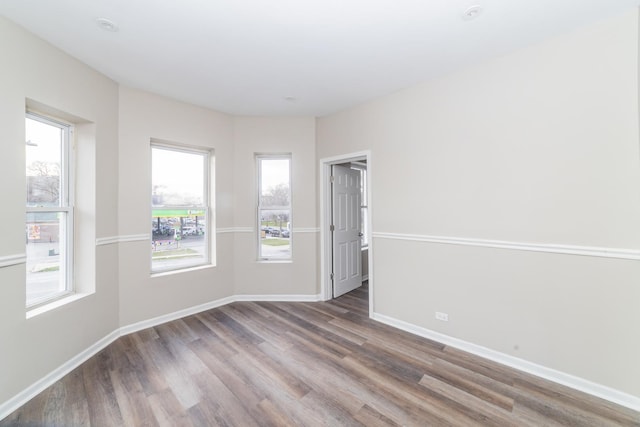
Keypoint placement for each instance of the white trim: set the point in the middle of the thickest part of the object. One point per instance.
(279, 298)
(324, 171)
(235, 230)
(9, 260)
(577, 383)
(224, 230)
(144, 324)
(631, 254)
(101, 241)
(306, 230)
(39, 386)
(624, 399)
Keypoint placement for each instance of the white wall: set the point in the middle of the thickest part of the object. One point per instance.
(540, 146)
(32, 69)
(295, 135)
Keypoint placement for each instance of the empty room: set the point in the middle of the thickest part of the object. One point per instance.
(379, 213)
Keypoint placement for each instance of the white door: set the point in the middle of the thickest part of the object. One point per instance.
(347, 257)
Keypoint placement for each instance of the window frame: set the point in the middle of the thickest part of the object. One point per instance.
(65, 206)
(259, 209)
(364, 204)
(207, 155)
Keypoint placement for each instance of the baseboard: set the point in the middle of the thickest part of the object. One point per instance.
(278, 298)
(577, 383)
(144, 324)
(39, 386)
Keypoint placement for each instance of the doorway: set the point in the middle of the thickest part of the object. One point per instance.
(331, 257)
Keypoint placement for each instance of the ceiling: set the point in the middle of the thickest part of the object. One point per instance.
(293, 57)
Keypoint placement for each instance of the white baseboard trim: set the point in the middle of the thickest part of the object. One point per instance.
(602, 252)
(565, 379)
(9, 260)
(568, 380)
(39, 386)
(30, 392)
(138, 326)
(279, 298)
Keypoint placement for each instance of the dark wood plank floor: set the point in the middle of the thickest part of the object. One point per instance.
(304, 364)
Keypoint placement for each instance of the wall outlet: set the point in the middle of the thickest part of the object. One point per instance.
(442, 316)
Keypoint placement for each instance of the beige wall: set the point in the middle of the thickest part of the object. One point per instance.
(296, 136)
(144, 116)
(540, 146)
(31, 348)
(117, 126)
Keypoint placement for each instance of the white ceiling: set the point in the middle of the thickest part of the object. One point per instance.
(247, 57)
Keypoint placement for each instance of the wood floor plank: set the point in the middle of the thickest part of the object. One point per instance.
(302, 364)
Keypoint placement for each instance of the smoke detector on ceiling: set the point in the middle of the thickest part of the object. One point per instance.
(472, 12)
(107, 24)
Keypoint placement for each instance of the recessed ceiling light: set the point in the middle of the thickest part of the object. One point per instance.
(107, 24)
(472, 12)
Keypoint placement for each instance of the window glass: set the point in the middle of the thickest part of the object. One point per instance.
(362, 168)
(274, 207)
(179, 211)
(49, 213)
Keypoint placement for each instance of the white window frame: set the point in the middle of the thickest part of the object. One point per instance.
(362, 168)
(259, 209)
(66, 207)
(206, 202)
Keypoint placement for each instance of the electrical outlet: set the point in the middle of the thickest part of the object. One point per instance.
(442, 316)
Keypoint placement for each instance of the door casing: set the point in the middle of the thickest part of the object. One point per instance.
(326, 290)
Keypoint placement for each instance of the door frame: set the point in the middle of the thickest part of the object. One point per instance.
(326, 248)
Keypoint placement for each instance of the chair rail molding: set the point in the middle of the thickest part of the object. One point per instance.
(9, 260)
(593, 251)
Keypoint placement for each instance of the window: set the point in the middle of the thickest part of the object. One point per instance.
(49, 209)
(179, 208)
(362, 167)
(274, 207)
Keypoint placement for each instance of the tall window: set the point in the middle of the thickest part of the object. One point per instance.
(274, 207)
(179, 208)
(49, 216)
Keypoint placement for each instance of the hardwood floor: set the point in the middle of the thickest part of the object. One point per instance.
(306, 364)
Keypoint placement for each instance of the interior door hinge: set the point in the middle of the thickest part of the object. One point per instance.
(332, 178)
(331, 276)
(332, 227)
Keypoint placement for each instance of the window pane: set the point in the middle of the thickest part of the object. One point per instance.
(179, 239)
(179, 228)
(44, 163)
(274, 183)
(274, 208)
(46, 258)
(275, 234)
(178, 178)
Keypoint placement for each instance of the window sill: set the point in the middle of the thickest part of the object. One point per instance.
(33, 312)
(275, 261)
(182, 270)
